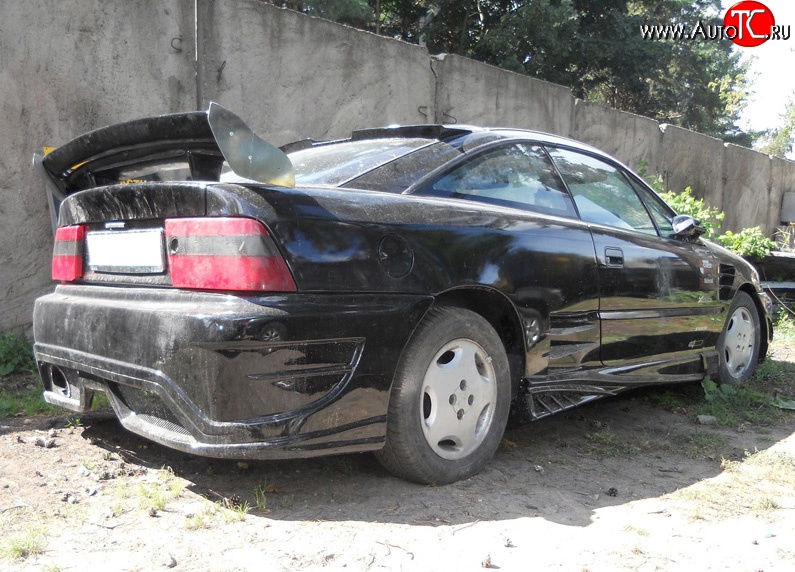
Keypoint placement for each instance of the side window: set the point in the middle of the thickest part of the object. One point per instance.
(517, 175)
(601, 192)
(660, 212)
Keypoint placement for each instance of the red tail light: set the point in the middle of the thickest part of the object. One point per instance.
(67, 254)
(225, 254)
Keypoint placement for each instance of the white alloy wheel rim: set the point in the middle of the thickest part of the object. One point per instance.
(458, 399)
(738, 345)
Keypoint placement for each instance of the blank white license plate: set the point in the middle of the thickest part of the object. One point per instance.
(126, 251)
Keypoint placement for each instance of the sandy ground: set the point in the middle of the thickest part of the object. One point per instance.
(622, 484)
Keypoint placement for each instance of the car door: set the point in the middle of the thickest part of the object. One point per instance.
(548, 269)
(658, 293)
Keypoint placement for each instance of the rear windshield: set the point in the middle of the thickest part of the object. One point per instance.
(337, 163)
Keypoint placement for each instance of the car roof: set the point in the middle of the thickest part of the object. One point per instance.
(445, 132)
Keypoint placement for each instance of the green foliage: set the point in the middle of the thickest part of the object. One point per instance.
(784, 328)
(16, 354)
(748, 243)
(23, 546)
(733, 405)
(781, 141)
(685, 203)
(27, 401)
(594, 47)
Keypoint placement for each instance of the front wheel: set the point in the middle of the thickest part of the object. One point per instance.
(450, 399)
(738, 344)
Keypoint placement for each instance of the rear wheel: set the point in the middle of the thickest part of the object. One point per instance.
(738, 344)
(450, 399)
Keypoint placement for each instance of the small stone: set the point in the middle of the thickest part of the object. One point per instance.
(706, 420)
(169, 561)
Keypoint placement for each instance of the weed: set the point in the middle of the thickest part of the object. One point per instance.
(338, 466)
(784, 328)
(638, 531)
(287, 501)
(26, 401)
(733, 405)
(153, 498)
(703, 445)
(260, 499)
(196, 522)
(237, 511)
(16, 354)
(100, 402)
(74, 423)
(31, 543)
(751, 484)
(605, 442)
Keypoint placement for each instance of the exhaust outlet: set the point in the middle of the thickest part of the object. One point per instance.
(58, 382)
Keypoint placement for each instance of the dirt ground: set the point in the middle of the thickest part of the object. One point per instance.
(622, 484)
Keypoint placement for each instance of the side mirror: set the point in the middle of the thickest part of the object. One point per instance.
(687, 226)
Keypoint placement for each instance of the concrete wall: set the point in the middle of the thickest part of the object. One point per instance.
(479, 94)
(65, 68)
(69, 66)
(746, 187)
(630, 138)
(693, 160)
(295, 77)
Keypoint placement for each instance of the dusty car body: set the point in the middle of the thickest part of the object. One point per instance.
(400, 291)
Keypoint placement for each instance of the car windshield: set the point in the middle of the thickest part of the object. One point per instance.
(334, 164)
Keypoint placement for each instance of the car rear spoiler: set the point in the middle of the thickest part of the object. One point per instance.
(204, 138)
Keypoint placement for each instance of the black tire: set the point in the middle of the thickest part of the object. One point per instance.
(450, 399)
(738, 343)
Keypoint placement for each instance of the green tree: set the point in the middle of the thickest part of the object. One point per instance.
(354, 12)
(594, 47)
(781, 141)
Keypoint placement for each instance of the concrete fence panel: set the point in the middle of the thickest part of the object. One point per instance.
(694, 160)
(292, 76)
(66, 68)
(475, 93)
(746, 189)
(630, 138)
(782, 181)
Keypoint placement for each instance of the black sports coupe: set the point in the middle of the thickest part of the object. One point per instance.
(401, 291)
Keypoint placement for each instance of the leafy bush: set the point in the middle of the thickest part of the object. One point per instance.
(16, 354)
(748, 243)
(685, 203)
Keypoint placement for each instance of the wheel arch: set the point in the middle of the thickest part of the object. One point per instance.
(500, 312)
(764, 319)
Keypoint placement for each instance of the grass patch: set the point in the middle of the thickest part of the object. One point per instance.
(31, 543)
(702, 445)
(733, 405)
(153, 497)
(26, 401)
(607, 443)
(751, 485)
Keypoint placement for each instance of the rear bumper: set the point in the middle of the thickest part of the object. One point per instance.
(225, 376)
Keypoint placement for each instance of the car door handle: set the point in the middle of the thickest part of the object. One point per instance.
(614, 257)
